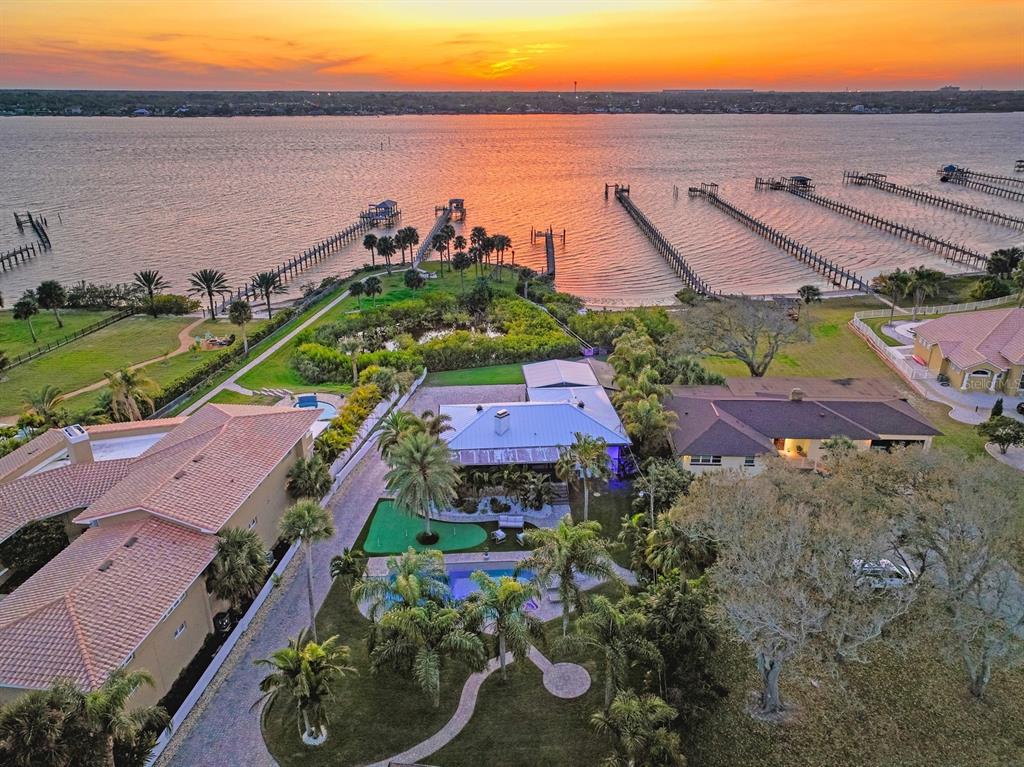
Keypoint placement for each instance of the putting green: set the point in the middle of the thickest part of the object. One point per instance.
(392, 532)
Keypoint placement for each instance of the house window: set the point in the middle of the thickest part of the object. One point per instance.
(129, 659)
(181, 629)
(177, 602)
(748, 461)
(706, 460)
(252, 522)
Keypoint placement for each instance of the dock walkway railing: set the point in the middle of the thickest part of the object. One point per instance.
(833, 272)
(662, 245)
(974, 180)
(443, 219)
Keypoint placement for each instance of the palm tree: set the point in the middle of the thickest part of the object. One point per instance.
(349, 564)
(639, 726)
(412, 239)
(239, 569)
(25, 308)
(421, 638)
(502, 603)
(352, 346)
(373, 287)
(386, 247)
(127, 391)
(477, 235)
(647, 423)
(309, 478)
(583, 460)
(303, 674)
(356, 290)
(5, 361)
(440, 246)
(310, 522)
(51, 296)
(422, 477)
(461, 263)
(370, 243)
(923, 283)
(151, 281)
(565, 552)
(208, 282)
(895, 285)
(44, 728)
(1017, 278)
(267, 284)
(809, 294)
(240, 313)
(109, 716)
(435, 424)
(617, 637)
(393, 427)
(44, 402)
(459, 243)
(413, 578)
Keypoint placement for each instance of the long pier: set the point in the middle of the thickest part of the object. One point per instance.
(879, 181)
(294, 266)
(12, 258)
(980, 176)
(668, 251)
(948, 250)
(979, 182)
(549, 245)
(1018, 167)
(831, 271)
(444, 217)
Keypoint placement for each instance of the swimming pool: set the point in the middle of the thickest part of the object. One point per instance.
(462, 585)
(327, 410)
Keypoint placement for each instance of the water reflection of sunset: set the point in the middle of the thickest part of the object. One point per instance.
(520, 44)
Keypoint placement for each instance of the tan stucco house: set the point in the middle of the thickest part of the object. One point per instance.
(980, 351)
(737, 425)
(130, 590)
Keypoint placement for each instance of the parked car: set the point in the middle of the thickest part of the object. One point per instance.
(882, 574)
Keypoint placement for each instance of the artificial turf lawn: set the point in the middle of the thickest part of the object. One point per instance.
(392, 532)
(490, 375)
(16, 338)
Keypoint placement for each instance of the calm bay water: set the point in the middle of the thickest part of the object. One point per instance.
(243, 194)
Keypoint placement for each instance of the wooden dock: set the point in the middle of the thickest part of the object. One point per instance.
(295, 266)
(879, 181)
(668, 251)
(549, 245)
(948, 250)
(1018, 167)
(12, 258)
(443, 215)
(839, 276)
(981, 182)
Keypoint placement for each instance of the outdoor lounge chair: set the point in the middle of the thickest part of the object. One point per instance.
(498, 536)
(521, 538)
(512, 520)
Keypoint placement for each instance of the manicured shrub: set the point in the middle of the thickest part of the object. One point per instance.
(170, 303)
(317, 363)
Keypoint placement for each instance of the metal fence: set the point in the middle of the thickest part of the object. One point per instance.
(39, 351)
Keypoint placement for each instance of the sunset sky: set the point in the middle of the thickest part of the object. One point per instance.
(511, 44)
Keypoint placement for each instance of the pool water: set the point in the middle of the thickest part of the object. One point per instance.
(462, 585)
(327, 410)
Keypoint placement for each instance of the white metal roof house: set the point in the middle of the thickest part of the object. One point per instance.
(558, 373)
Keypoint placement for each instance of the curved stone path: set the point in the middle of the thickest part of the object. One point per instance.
(563, 680)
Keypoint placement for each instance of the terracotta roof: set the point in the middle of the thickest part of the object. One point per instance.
(90, 607)
(49, 493)
(971, 338)
(204, 469)
(12, 464)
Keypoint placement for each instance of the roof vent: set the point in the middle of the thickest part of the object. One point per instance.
(180, 474)
(199, 457)
(75, 434)
(106, 565)
(796, 395)
(131, 542)
(479, 408)
(501, 421)
(581, 404)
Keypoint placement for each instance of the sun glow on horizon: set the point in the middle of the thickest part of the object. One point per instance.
(505, 45)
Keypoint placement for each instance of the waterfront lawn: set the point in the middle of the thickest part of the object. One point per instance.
(16, 339)
(485, 376)
(85, 360)
(372, 716)
(229, 397)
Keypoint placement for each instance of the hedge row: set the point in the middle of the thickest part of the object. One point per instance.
(338, 437)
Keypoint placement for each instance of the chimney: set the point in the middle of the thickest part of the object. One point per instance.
(79, 446)
(501, 419)
(796, 395)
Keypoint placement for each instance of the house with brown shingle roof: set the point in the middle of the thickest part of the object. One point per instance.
(980, 351)
(738, 424)
(130, 590)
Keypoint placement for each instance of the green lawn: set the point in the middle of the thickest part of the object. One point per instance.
(228, 397)
(490, 375)
(373, 716)
(84, 361)
(608, 505)
(15, 337)
(392, 532)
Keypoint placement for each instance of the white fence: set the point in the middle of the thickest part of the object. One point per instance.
(905, 367)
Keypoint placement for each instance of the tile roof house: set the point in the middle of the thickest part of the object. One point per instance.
(720, 428)
(130, 589)
(975, 350)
